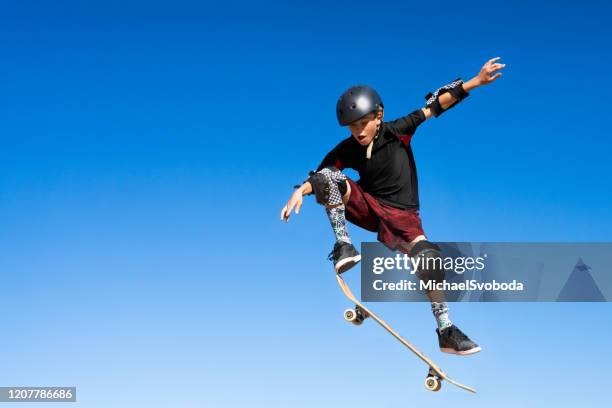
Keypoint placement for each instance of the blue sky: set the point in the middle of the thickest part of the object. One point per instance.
(146, 151)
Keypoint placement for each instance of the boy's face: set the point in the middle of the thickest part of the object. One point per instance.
(364, 129)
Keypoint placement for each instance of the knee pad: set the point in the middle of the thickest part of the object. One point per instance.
(328, 185)
(430, 262)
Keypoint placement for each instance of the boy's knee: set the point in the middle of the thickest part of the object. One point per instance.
(329, 186)
(431, 264)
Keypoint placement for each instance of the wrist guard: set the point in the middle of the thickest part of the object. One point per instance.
(455, 89)
(310, 173)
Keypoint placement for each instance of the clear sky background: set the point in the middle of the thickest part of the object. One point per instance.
(146, 149)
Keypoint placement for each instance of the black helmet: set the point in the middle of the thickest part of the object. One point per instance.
(356, 102)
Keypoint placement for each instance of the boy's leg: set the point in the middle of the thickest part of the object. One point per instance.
(333, 191)
(439, 307)
(450, 337)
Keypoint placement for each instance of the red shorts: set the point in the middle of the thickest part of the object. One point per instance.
(394, 226)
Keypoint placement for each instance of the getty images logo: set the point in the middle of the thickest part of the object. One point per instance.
(459, 264)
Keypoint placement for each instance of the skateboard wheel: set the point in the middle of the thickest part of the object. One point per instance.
(350, 315)
(353, 316)
(433, 384)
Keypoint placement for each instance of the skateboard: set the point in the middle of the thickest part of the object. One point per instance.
(435, 375)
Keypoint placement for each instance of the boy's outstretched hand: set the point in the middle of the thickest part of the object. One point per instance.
(489, 71)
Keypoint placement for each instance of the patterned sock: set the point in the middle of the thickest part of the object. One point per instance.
(440, 311)
(338, 223)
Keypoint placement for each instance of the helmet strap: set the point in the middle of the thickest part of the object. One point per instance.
(369, 149)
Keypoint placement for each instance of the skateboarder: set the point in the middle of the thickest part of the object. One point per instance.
(385, 198)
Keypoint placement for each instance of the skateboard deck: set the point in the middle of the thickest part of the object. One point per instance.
(357, 315)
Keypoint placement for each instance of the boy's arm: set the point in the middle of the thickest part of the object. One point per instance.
(447, 97)
(333, 158)
(407, 125)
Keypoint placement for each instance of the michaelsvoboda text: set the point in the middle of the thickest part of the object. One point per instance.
(471, 284)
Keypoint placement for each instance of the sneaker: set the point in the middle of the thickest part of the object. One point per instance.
(344, 256)
(453, 341)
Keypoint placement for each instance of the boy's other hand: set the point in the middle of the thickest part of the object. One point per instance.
(490, 71)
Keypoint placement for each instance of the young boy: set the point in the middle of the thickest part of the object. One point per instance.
(385, 199)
